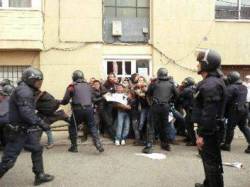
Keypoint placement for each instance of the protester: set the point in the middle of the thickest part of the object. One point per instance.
(123, 118)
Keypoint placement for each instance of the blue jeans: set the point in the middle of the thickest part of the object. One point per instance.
(123, 122)
(50, 137)
(171, 131)
(143, 117)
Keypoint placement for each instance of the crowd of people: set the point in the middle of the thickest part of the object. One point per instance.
(148, 110)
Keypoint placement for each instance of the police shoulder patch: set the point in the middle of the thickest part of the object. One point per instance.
(71, 87)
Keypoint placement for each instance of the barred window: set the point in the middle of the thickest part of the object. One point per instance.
(20, 3)
(13, 73)
(126, 8)
(232, 9)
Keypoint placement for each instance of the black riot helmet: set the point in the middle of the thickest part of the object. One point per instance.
(5, 82)
(2, 92)
(8, 89)
(31, 75)
(234, 77)
(209, 60)
(189, 81)
(78, 76)
(162, 74)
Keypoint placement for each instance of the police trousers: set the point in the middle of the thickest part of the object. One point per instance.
(158, 122)
(78, 116)
(212, 161)
(15, 144)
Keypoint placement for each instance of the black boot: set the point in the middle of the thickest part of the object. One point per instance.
(99, 146)
(73, 147)
(42, 178)
(165, 146)
(148, 149)
(226, 147)
(247, 150)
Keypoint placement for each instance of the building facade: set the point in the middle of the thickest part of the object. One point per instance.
(121, 36)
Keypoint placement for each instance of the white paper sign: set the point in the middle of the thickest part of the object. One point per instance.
(116, 97)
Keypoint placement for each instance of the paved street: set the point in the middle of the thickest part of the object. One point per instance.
(119, 166)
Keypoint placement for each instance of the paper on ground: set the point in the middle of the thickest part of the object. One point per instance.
(234, 164)
(154, 156)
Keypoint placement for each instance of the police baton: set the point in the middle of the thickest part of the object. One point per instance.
(74, 119)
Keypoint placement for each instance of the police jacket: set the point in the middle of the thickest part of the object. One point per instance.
(162, 91)
(4, 111)
(80, 93)
(22, 107)
(236, 100)
(209, 104)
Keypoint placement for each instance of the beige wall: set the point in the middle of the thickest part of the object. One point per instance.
(179, 27)
(18, 58)
(21, 29)
(72, 39)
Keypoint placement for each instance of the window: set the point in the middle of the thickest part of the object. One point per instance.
(232, 9)
(126, 8)
(20, 4)
(13, 73)
(125, 68)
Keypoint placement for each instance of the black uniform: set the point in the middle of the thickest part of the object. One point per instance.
(109, 112)
(4, 119)
(208, 111)
(99, 103)
(237, 112)
(23, 120)
(80, 94)
(161, 92)
(186, 102)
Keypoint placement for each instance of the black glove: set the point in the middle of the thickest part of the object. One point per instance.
(44, 126)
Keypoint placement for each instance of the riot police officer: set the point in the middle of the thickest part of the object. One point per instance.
(4, 114)
(5, 82)
(237, 110)
(80, 94)
(24, 126)
(185, 101)
(208, 112)
(161, 93)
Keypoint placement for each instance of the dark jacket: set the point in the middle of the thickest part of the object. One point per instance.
(209, 104)
(4, 111)
(162, 91)
(236, 100)
(110, 87)
(80, 93)
(23, 107)
(98, 99)
(46, 104)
